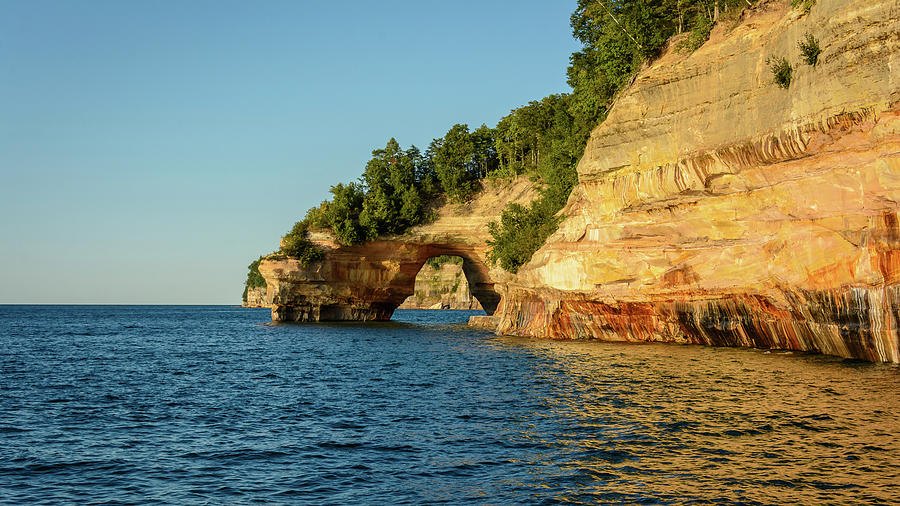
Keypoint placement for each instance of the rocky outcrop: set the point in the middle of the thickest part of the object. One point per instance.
(368, 281)
(714, 207)
(483, 322)
(443, 287)
(256, 297)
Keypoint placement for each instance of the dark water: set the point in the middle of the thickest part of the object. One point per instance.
(211, 405)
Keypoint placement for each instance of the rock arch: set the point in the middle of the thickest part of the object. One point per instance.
(367, 282)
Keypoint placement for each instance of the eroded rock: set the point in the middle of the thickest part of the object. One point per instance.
(714, 207)
(444, 287)
(256, 297)
(368, 281)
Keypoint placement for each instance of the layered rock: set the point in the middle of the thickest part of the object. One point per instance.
(368, 281)
(714, 207)
(443, 287)
(256, 297)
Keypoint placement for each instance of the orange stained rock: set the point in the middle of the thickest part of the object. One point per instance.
(714, 207)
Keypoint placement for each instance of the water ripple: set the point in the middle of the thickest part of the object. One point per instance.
(179, 405)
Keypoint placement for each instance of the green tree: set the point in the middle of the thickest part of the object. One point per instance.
(295, 244)
(344, 210)
(412, 209)
(453, 158)
(544, 138)
(484, 156)
(254, 278)
(392, 202)
(521, 231)
(549, 142)
(390, 196)
(617, 36)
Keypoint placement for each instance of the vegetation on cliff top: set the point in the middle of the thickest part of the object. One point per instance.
(543, 139)
(617, 38)
(389, 197)
(254, 278)
(295, 245)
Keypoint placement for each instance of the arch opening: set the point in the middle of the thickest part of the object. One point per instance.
(469, 264)
(441, 283)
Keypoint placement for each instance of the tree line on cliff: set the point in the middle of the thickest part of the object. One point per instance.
(543, 139)
(254, 278)
(617, 37)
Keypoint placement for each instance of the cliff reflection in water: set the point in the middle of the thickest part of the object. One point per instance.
(682, 423)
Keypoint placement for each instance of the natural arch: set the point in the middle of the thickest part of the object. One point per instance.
(366, 282)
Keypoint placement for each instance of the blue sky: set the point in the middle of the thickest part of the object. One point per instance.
(150, 150)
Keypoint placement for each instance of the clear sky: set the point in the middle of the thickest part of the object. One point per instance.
(150, 150)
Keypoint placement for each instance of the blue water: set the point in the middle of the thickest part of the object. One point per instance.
(181, 405)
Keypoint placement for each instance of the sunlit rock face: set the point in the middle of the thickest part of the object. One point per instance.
(368, 281)
(256, 297)
(444, 287)
(714, 207)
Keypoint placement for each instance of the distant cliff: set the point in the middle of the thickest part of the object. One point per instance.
(441, 287)
(256, 297)
(715, 207)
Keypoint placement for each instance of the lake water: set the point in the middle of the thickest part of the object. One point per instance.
(214, 404)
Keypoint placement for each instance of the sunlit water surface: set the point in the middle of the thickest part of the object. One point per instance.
(214, 405)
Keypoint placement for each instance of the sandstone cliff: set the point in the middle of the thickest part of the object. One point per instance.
(256, 297)
(714, 207)
(444, 287)
(368, 281)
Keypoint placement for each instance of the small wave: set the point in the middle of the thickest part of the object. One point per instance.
(338, 445)
(780, 483)
(748, 432)
(291, 492)
(239, 455)
(79, 466)
(819, 417)
(270, 375)
(806, 426)
(678, 426)
(396, 448)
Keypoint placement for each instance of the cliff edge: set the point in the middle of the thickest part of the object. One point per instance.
(714, 207)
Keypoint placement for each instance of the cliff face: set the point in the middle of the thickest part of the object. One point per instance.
(714, 207)
(256, 297)
(368, 281)
(443, 288)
